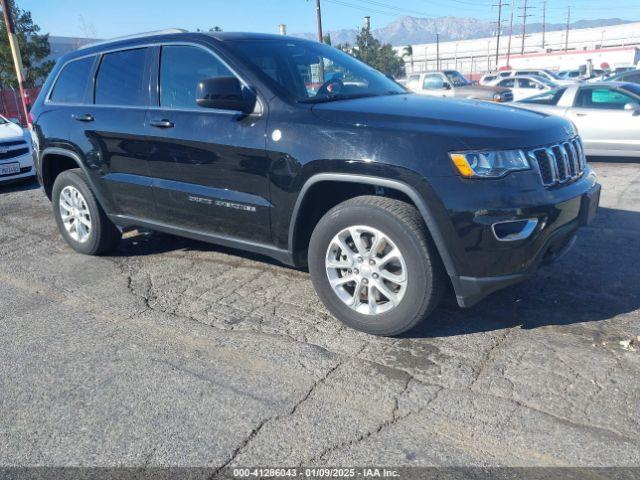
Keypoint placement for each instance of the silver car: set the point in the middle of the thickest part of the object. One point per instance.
(606, 114)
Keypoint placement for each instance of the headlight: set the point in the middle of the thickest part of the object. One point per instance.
(489, 164)
(497, 97)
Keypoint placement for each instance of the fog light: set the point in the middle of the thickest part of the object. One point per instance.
(514, 230)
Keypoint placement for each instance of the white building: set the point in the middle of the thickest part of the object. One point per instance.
(617, 45)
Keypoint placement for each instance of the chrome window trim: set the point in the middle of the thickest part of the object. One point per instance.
(101, 53)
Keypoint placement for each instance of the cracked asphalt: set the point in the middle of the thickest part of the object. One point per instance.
(175, 352)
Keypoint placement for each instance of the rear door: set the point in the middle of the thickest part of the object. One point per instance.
(602, 121)
(209, 167)
(110, 130)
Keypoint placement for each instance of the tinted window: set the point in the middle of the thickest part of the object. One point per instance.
(121, 78)
(602, 98)
(72, 82)
(181, 68)
(509, 83)
(633, 77)
(432, 82)
(552, 97)
(527, 83)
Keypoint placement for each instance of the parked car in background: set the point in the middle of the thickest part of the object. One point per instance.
(526, 86)
(544, 73)
(631, 76)
(16, 152)
(606, 114)
(388, 198)
(573, 75)
(451, 83)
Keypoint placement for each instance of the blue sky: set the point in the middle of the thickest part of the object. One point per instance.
(109, 18)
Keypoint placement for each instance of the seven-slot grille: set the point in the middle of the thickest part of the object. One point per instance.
(13, 149)
(561, 162)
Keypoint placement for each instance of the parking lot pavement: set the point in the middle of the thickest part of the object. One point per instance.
(177, 352)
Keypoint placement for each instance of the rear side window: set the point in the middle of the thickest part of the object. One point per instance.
(121, 78)
(181, 69)
(72, 82)
(602, 98)
(432, 82)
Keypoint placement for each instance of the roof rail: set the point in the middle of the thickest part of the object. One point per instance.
(167, 31)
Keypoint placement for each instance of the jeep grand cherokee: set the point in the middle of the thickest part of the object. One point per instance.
(298, 151)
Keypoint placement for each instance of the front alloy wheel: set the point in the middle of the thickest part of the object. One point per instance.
(367, 271)
(374, 265)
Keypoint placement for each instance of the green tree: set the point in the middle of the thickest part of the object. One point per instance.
(408, 52)
(34, 49)
(327, 39)
(380, 56)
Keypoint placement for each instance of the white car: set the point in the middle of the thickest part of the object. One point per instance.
(606, 114)
(16, 152)
(526, 86)
(548, 74)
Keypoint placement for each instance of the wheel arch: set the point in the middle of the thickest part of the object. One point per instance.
(372, 182)
(55, 160)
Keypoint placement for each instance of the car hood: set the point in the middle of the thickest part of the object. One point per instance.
(10, 131)
(465, 123)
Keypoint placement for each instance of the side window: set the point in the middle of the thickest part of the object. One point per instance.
(634, 78)
(552, 97)
(509, 83)
(602, 98)
(181, 68)
(120, 79)
(432, 82)
(526, 83)
(72, 82)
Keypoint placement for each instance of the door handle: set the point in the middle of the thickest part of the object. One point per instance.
(161, 123)
(581, 114)
(84, 118)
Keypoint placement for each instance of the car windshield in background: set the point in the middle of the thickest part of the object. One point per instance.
(457, 80)
(312, 72)
(548, 98)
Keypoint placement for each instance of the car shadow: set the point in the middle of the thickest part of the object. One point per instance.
(143, 242)
(20, 185)
(597, 280)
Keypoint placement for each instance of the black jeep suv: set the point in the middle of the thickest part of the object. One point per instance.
(296, 150)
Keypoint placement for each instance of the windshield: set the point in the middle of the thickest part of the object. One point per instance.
(552, 97)
(311, 72)
(552, 74)
(457, 80)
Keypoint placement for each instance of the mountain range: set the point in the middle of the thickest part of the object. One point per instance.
(412, 30)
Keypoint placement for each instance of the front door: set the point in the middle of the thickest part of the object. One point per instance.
(209, 167)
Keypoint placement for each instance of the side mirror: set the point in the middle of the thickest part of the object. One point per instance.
(225, 93)
(633, 107)
(446, 86)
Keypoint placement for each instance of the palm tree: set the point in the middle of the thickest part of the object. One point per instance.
(408, 52)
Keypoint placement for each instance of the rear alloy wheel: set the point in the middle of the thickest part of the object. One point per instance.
(80, 218)
(374, 265)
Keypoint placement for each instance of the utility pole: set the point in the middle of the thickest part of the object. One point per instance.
(437, 51)
(524, 17)
(513, 4)
(17, 59)
(319, 15)
(566, 37)
(544, 23)
(499, 28)
(367, 23)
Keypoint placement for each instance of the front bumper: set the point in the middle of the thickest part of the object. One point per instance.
(27, 168)
(484, 263)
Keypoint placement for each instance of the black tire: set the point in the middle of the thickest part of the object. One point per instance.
(103, 235)
(405, 227)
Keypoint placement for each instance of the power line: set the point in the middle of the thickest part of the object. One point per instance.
(499, 28)
(524, 17)
(544, 22)
(566, 38)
